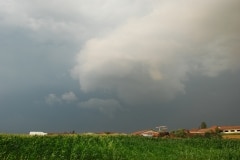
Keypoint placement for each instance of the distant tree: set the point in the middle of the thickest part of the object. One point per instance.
(203, 125)
(180, 133)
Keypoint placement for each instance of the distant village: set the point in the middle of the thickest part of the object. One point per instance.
(162, 131)
(213, 130)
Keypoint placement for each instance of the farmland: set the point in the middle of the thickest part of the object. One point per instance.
(95, 147)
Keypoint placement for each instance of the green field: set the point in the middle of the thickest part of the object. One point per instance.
(19, 147)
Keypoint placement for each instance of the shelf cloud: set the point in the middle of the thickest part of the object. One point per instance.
(149, 58)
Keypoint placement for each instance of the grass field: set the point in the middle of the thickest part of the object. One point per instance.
(19, 147)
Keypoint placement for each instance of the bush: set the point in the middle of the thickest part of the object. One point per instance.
(181, 133)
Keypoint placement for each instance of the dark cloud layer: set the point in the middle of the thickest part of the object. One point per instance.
(118, 65)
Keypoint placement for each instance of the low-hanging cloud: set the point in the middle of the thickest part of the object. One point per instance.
(105, 106)
(149, 58)
(52, 99)
(67, 97)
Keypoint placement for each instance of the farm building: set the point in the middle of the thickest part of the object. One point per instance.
(34, 133)
(229, 129)
(221, 129)
(151, 133)
(203, 131)
(147, 133)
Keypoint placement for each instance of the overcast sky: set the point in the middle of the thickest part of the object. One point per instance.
(118, 65)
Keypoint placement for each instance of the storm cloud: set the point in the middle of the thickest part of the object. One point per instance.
(115, 65)
(149, 59)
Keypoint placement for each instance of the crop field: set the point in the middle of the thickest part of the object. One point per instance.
(20, 147)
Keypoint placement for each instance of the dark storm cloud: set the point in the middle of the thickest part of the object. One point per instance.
(139, 64)
(38, 43)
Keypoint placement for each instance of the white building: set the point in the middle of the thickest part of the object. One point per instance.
(34, 133)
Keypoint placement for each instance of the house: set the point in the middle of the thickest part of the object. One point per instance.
(204, 130)
(34, 133)
(213, 129)
(229, 129)
(147, 133)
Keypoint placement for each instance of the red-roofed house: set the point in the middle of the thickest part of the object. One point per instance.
(229, 129)
(222, 129)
